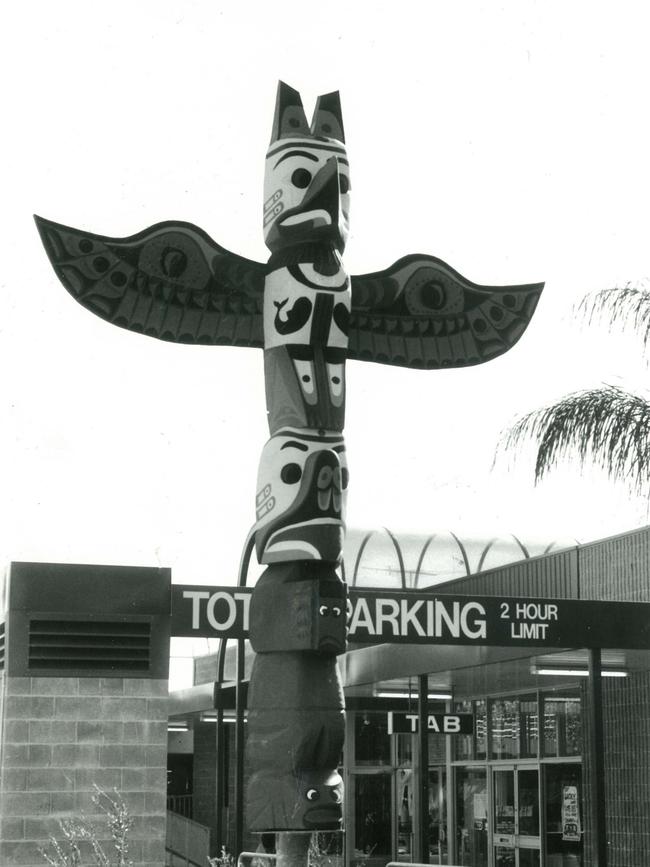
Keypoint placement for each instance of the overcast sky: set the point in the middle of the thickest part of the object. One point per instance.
(510, 140)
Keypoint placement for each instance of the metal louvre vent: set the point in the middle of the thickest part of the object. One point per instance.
(89, 645)
(2, 646)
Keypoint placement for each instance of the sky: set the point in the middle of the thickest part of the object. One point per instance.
(510, 140)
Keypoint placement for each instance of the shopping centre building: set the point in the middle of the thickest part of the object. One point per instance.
(516, 791)
(460, 754)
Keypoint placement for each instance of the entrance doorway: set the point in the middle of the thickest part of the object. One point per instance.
(516, 821)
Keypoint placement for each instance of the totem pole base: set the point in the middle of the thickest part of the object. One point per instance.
(292, 848)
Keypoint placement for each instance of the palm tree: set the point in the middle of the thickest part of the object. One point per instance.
(605, 426)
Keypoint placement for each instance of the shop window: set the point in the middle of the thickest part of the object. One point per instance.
(529, 727)
(480, 729)
(562, 724)
(564, 815)
(405, 750)
(468, 747)
(505, 728)
(437, 748)
(371, 739)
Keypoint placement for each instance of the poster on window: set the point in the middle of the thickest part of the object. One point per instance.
(570, 814)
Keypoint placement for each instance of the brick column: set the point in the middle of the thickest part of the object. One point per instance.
(204, 777)
(105, 723)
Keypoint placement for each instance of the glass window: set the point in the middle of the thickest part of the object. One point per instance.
(505, 728)
(371, 739)
(437, 748)
(474, 746)
(463, 745)
(562, 724)
(564, 814)
(480, 729)
(405, 750)
(529, 727)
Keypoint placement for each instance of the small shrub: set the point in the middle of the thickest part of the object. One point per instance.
(79, 836)
(223, 860)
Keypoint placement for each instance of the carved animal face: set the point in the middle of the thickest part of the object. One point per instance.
(309, 801)
(306, 193)
(300, 502)
(307, 180)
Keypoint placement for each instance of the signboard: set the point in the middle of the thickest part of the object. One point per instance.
(425, 617)
(438, 723)
(210, 612)
(571, 829)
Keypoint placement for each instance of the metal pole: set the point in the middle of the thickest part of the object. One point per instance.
(221, 781)
(240, 706)
(239, 750)
(597, 750)
(422, 851)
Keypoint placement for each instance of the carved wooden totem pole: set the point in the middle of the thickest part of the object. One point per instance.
(174, 283)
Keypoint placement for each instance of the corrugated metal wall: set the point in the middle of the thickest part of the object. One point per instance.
(617, 568)
(614, 568)
(554, 575)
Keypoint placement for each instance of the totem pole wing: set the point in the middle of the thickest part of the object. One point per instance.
(422, 313)
(171, 281)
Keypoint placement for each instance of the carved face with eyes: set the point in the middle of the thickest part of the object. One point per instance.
(306, 192)
(300, 504)
(308, 801)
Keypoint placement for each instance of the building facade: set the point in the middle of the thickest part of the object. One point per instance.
(518, 790)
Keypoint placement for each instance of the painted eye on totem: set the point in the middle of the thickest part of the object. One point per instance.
(345, 477)
(313, 794)
(291, 473)
(336, 612)
(336, 796)
(324, 611)
(344, 184)
(301, 178)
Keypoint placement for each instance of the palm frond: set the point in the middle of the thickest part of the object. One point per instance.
(625, 307)
(605, 426)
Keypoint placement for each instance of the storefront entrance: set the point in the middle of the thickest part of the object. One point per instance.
(516, 799)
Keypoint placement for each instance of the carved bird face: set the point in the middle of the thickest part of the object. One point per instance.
(306, 192)
(300, 503)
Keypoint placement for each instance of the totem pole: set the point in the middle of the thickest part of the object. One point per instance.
(173, 282)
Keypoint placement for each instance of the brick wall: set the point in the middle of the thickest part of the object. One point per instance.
(62, 734)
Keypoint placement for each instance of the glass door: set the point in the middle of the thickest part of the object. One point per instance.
(516, 835)
(437, 816)
(372, 820)
(405, 801)
(471, 817)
